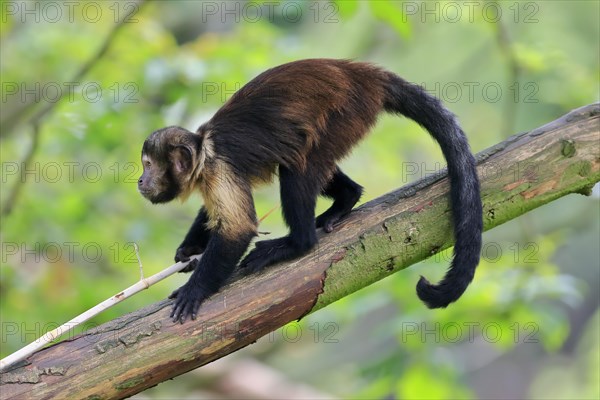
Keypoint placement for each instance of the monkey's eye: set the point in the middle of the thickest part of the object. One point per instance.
(147, 164)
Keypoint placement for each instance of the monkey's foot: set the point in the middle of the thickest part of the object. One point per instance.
(187, 301)
(267, 252)
(328, 219)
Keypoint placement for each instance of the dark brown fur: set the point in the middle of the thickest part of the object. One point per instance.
(298, 119)
(319, 115)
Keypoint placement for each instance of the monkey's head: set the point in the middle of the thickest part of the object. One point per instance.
(171, 162)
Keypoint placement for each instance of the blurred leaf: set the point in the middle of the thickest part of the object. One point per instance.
(419, 382)
(390, 13)
(347, 8)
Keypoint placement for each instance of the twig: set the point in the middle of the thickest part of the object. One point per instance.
(81, 72)
(144, 283)
(16, 188)
(137, 254)
(37, 117)
(268, 213)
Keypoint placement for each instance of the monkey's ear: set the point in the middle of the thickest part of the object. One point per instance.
(182, 159)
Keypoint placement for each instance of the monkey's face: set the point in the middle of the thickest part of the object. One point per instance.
(157, 183)
(169, 160)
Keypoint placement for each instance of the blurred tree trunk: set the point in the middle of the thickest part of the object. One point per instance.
(141, 349)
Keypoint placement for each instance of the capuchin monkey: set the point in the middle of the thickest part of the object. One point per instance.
(298, 120)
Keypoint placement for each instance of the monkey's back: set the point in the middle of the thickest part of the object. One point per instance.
(309, 111)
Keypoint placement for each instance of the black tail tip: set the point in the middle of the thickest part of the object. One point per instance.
(432, 295)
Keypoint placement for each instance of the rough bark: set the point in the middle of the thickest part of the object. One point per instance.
(144, 348)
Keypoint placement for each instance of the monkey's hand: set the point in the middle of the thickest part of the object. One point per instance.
(184, 253)
(187, 301)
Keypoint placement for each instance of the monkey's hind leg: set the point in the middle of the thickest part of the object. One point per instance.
(298, 199)
(345, 194)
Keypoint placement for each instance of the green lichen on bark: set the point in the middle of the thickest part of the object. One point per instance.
(129, 383)
(548, 167)
(385, 249)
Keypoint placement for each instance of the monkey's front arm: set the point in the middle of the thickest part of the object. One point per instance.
(210, 273)
(195, 240)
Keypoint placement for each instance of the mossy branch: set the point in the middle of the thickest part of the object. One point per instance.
(141, 349)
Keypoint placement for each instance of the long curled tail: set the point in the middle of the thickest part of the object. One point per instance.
(413, 102)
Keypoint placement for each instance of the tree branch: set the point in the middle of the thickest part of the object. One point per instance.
(144, 348)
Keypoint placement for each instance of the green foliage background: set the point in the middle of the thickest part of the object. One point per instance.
(527, 328)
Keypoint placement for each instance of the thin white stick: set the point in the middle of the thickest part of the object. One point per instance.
(137, 255)
(92, 312)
